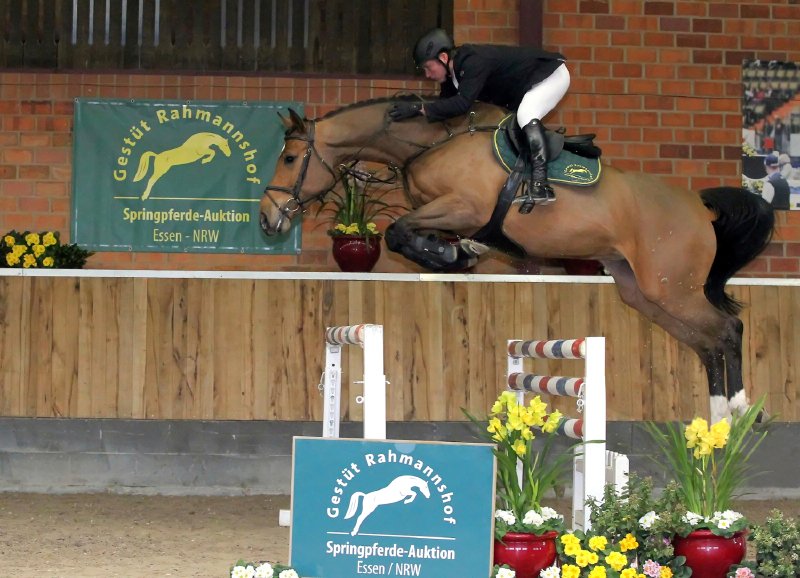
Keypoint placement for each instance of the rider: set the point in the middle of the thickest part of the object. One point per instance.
(527, 79)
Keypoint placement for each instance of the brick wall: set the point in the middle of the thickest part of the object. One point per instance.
(658, 81)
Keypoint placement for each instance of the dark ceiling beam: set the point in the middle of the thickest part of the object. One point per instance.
(530, 23)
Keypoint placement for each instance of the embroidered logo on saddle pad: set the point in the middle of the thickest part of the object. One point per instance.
(567, 168)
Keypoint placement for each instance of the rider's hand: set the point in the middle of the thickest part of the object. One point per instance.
(404, 110)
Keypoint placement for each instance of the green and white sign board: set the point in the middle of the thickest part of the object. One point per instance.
(175, 176)
(391, 508)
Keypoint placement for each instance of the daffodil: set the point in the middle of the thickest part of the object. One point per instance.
(718, 435)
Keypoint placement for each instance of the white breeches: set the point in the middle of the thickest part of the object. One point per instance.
(543, 97)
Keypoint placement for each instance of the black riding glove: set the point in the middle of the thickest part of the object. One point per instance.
(404, 110)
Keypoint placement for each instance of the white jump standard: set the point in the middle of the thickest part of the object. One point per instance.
(593, 467)
(370, 338)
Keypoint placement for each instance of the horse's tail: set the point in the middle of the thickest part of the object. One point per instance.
(351, 509)
(744, 226)
(144, 166)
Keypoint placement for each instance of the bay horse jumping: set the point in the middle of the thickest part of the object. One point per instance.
(670, 251)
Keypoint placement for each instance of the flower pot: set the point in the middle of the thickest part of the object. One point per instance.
(527, 554)
(356, 253)
(709, 555)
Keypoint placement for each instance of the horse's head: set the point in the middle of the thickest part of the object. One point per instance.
(301, 175)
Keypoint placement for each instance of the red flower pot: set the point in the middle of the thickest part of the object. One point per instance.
(527, 554)
(355, 253)
(709, 555)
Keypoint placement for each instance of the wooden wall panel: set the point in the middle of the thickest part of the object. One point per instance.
(253, 349)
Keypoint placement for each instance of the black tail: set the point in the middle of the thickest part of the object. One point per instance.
(744, 226)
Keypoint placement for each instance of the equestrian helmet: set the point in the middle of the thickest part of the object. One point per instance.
(431, 45)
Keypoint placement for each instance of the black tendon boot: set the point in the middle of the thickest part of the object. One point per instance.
(539, 190)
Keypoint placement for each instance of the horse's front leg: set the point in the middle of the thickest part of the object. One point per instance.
(431, 251)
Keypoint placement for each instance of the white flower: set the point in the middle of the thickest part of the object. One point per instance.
(533, 518)
(692, 519)
(506, 573)
(288, 574)
(264, 571)
(551, 572)
(648, 520)
(239, 572)
(723, 524)
(731, 515)
(506, 515)
(550, 513)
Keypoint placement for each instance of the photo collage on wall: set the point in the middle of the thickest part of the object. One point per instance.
(771, 131)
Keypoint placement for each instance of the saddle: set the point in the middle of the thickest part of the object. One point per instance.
(575, 160)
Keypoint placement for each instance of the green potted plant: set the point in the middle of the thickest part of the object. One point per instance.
(43, 250)
(709, 465)
(525, 531)
(627, 537)
(777, 543)
(353, 208)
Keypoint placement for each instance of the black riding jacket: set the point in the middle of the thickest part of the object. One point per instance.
(498, 75)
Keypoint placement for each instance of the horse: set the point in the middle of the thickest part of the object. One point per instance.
(196, 148)
(401, 488)
(670, 251)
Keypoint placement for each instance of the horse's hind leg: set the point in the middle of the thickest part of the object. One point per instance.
(694, 321)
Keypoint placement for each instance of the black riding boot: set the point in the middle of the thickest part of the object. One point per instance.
(539, 190)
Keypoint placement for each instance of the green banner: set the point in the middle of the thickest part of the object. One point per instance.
(175, 176)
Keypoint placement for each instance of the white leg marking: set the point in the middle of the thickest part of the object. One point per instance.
(738, 403)
(719, 408)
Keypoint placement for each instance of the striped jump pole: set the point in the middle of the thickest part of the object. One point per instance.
(590, 393)
(370, 338)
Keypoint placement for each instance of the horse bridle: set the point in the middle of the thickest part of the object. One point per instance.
(295, 203)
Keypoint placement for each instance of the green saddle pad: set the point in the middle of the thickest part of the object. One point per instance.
(567, 168)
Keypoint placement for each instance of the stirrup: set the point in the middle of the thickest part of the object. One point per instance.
(536, 194)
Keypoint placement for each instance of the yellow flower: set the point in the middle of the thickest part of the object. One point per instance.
(49, 239)
(704, 448)
(12, 259)
(598, 543)
(496, 427)
(598, 572)
(570, 571)
(19, 250)
(628, 543)
(520, 447)
(584, 558)
(695, 432)
(666, 572)
(718, 436)
(628, 573)
(569, 539)
(352, 229)
(552, 422)
(10, 241)
(48, 262)
(515, 422)
(538, 409)
(340, 227)
(372, 228)
(572, 550)
(32, 238)
(616, 560)
(38, 250)
(593, 558)
(506, 400)
(527, 434)
(29, 261)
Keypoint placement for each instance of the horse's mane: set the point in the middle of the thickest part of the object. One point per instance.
(383, 100)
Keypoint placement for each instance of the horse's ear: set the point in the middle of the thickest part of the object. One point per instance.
(297, 121)
(287, 122)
